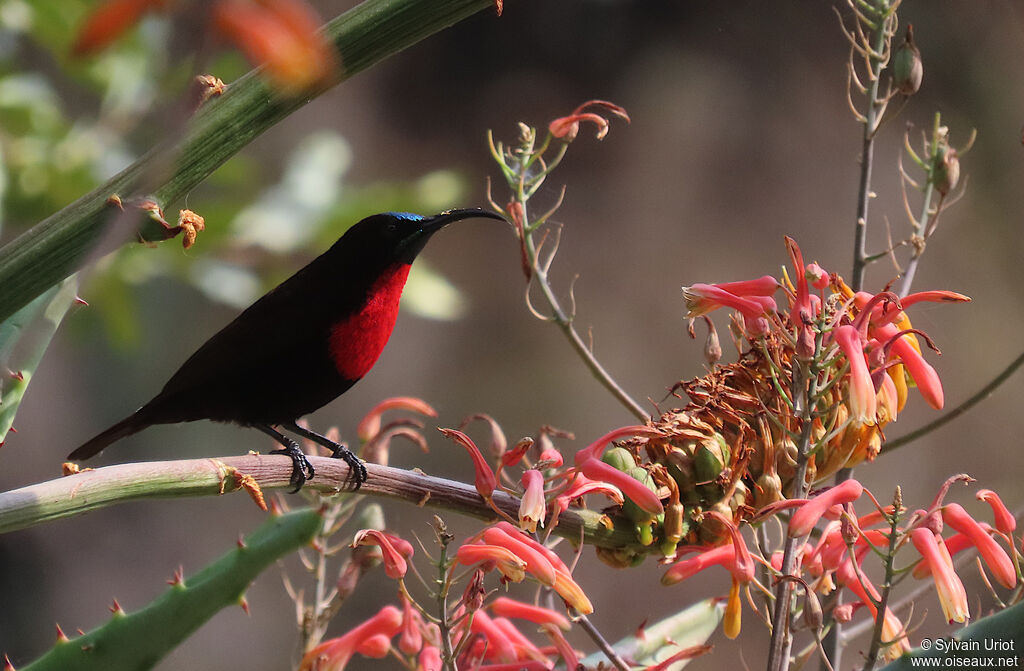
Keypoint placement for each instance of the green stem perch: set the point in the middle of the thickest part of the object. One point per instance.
(93, 489)
(137, 641)
(59, 245)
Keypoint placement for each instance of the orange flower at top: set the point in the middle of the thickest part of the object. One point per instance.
(108, 22)
(566, 128)
(280, 35)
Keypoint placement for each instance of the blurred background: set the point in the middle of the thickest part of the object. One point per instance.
(741, 134)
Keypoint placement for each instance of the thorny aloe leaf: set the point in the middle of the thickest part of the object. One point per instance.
(24, 338)
(137, 641)
(988, 641)
(689, 627)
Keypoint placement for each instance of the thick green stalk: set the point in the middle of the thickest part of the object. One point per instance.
(102, 487)
(137, 641)
(59, 245)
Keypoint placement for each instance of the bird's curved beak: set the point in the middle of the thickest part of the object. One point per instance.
(439, 221)
(417, 240)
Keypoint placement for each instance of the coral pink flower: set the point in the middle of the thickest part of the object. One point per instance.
(924, 376)
(581, 486)
(369, 426)
(565, 651)
(861, 389)
(532, 505)
(804, 519)
(566, 128)
(283, 36)
(596, 448)
(395, 565)
(994, 556)
(499, 646)
(1003, 518)
(511, 566)
(536, 563)
(429, 659)
(952, 595)
(411, 639)
(484, 479)
(524, 647)
(109, 21)
(704, 298)
(507, 607)
(721, 555)
(334, 654)
(893, 631)
(637, 491)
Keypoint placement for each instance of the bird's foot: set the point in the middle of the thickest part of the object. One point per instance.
(302, 470)
(356, 468)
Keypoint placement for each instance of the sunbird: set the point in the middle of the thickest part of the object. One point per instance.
(301, 345)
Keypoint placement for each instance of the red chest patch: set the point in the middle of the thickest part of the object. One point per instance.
(356, 342)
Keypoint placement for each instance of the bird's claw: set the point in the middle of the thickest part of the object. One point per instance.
(302, 469)
(356, 468)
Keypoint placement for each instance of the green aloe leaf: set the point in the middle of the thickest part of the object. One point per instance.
(137, 641)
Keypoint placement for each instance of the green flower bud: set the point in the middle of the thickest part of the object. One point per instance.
(906, 65)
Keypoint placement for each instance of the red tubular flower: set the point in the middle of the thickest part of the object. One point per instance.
(1005, 522)
(704, 298)
(994, 556)
(571, 592)
(893, 631)
(108, 22)
(283, 36)
(534, 552)
(524, 647)
(524, 665)
(429, 659)
(952, 595)
(506, 607)
(334, 654)
(565, 651)
(484, 480)
(499, 646)
(804, 519)
(685, 568)
(596, 448)
(411, 639)
(532, 505)
(955, 544)
(369, 425)
(511, 566)
(861, 389)
(395, 565)
(924, 376)
(375, 647)
(534, 561)
(528, 540)
(637, 491)
(583, 485)
(566, 128)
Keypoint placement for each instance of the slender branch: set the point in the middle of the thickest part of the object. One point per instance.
(564, 322)
(978, 397)
(602, 643)
(883, 603)
(93, 489)
(871, 122)
(59, 245)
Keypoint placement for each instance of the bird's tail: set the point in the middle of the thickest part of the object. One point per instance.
(126, 427)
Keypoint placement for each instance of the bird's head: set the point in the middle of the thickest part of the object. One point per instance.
(401, 236)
